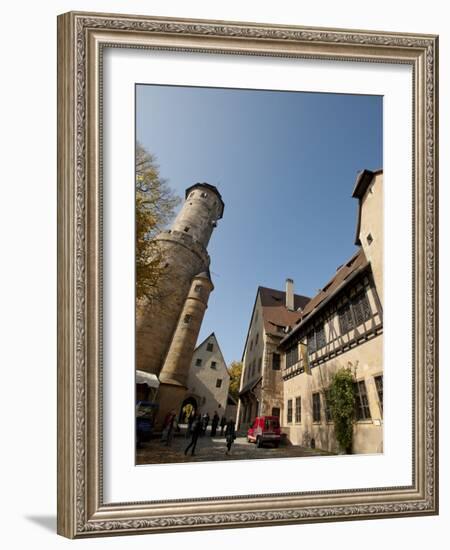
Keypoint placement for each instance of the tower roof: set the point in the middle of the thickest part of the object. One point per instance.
(212, 188)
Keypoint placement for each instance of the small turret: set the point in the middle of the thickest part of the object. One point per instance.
(178, 360)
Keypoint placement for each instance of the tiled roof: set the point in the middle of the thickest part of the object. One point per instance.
(275, 313)
(357, 262)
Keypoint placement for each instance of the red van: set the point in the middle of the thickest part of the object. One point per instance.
(265, 429)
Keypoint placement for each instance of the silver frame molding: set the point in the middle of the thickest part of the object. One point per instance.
(81, 39)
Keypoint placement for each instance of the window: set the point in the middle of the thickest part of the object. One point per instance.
(204, 195)
(289, 411)
(379, 386)
(198, 289)
(326, 405)
(320, 337)
(218, 382)
(276, 411)
(292, 356)
(345, 318)
(186, 229)
(209, 347)
(316, 407)
(276, 362)
(257, 338)
(213, 365)
(298, 409)
(311, 342)
(361, 308)
(362, 411)
(198, 362)
(369, 239)
(260, 364)
(187, 319)
(251, 345)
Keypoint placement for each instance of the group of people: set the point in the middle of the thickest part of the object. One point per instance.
(198, 424)
(204, 422)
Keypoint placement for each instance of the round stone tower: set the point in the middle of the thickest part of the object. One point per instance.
(174, 374)
(184, 255)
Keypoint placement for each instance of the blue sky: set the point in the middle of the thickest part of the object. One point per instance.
(285, 164)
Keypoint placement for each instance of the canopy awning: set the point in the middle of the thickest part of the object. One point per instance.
(143, 377)
(250, 386)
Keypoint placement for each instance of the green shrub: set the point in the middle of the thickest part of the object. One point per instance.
(341, 395)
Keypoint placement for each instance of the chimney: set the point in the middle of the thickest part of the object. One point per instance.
(290, 294)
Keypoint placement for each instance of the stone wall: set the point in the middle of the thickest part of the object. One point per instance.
(365, 360)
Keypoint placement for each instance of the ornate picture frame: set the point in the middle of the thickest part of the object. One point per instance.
(82, 38)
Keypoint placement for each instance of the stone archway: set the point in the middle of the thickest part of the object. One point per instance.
(187, 403)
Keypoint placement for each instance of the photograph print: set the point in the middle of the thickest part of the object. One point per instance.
(259, 274)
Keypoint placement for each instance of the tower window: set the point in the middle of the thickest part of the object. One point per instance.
(186, 229)
(198, 289)
(187, 319)
(369, 239)
(204, 195)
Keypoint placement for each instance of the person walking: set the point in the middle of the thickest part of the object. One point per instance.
(223, 423)
(196, 429)
(205, 421)
(168, 427)
(214, 424)
(230, 435)
(191, 419)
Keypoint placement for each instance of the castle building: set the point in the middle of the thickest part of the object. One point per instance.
(167, 328)
(261, 388)
(340, 327)
(208, 380)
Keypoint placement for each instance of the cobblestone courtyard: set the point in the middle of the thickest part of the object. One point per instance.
(213, 448)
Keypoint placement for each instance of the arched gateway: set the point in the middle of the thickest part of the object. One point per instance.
(190, 403)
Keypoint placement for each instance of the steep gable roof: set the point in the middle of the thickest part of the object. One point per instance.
(206, 341)
(275, 312)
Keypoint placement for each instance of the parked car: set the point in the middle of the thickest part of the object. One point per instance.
(265, 429)
(145, 420)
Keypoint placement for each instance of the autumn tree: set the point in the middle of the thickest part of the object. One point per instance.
(155, 205)
(235, 372)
